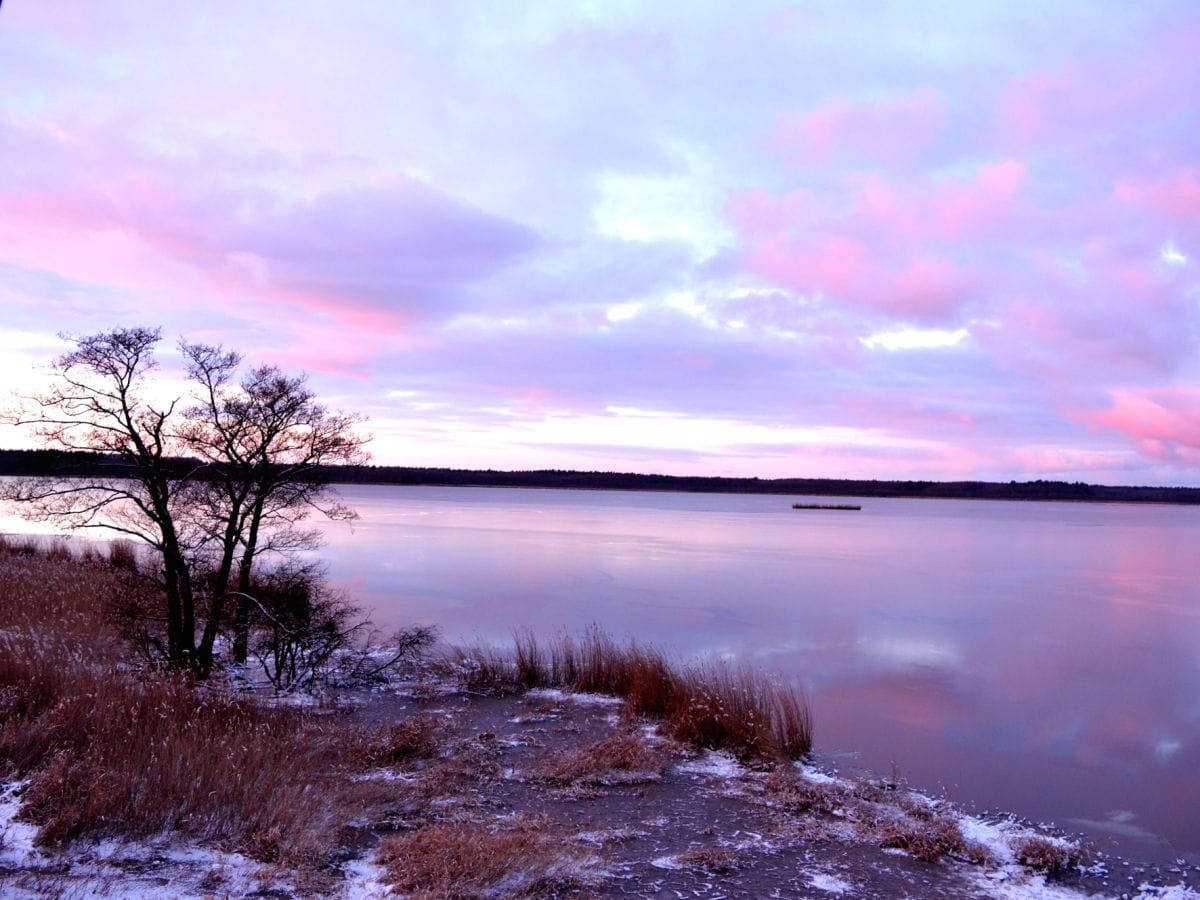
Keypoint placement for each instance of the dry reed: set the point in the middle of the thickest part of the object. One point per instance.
(711, 704)
(467, 860)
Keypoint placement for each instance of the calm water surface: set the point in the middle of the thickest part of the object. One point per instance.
(1038, 657)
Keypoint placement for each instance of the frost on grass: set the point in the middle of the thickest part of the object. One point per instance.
(580, 697)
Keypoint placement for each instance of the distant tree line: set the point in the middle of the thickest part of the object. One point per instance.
(65, 464)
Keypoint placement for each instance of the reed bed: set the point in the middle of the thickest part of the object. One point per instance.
(709, 704)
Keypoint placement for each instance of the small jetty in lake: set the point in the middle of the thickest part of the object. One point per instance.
(826, 506)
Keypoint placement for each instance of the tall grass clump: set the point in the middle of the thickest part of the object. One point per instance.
(709, 704)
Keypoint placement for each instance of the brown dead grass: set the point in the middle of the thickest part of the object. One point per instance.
(419, 736)
(880, 813)
(470, 860)
(711, 704)
(1049, 856)
(716, 860)
(926, 840)
(620, 758)
(108, 752)
(788, 790)
(139, 758)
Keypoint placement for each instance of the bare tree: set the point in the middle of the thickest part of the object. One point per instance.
(267, 442)
(210, 482)
(97, 403)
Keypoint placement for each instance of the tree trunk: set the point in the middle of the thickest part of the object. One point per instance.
(220, 591)
(241, 622)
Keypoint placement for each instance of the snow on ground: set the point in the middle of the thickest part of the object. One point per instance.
(815, 775)
(364, 880)
(16, 838)
(587, 699)
(714, 763)
(1014, 883)
(151, 869)
(1174, 892)
(830, 884)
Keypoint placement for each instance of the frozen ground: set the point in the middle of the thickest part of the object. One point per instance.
(678, 823)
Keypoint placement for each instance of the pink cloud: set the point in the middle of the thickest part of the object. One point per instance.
(928, 287)
(893, 129)
(1174, 196)
(832, 262)
(1038, 104)
(924, 287)
(965, 208)
(1068, 104)
(930, 209)
(1045, 460)
(890, 245)
(1163, 422)
(760, 213)
(370, 253)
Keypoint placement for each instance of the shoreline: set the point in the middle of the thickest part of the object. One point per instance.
(530, 769)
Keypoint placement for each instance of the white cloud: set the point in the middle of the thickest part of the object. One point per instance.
(1172, 255)
(681, 207)
(915, 339)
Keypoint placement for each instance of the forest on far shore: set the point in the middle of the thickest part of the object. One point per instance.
(64, 464)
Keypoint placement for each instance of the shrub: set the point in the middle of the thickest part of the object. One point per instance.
(717, 860)
(123, 555)
(308, 633)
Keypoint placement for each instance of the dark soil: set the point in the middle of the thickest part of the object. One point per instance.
(689, 827)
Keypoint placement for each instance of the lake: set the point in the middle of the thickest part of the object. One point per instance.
(1042, 658)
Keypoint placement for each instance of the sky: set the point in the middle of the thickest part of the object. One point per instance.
(819, 239)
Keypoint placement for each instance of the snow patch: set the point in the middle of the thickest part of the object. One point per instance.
(609, 835)
(586, 699)
(364, 880)
(16, 838)
(1014, 883)
(666, 862)
(1174, 892)
(713, 763)
(830, 884)
(816, 776)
